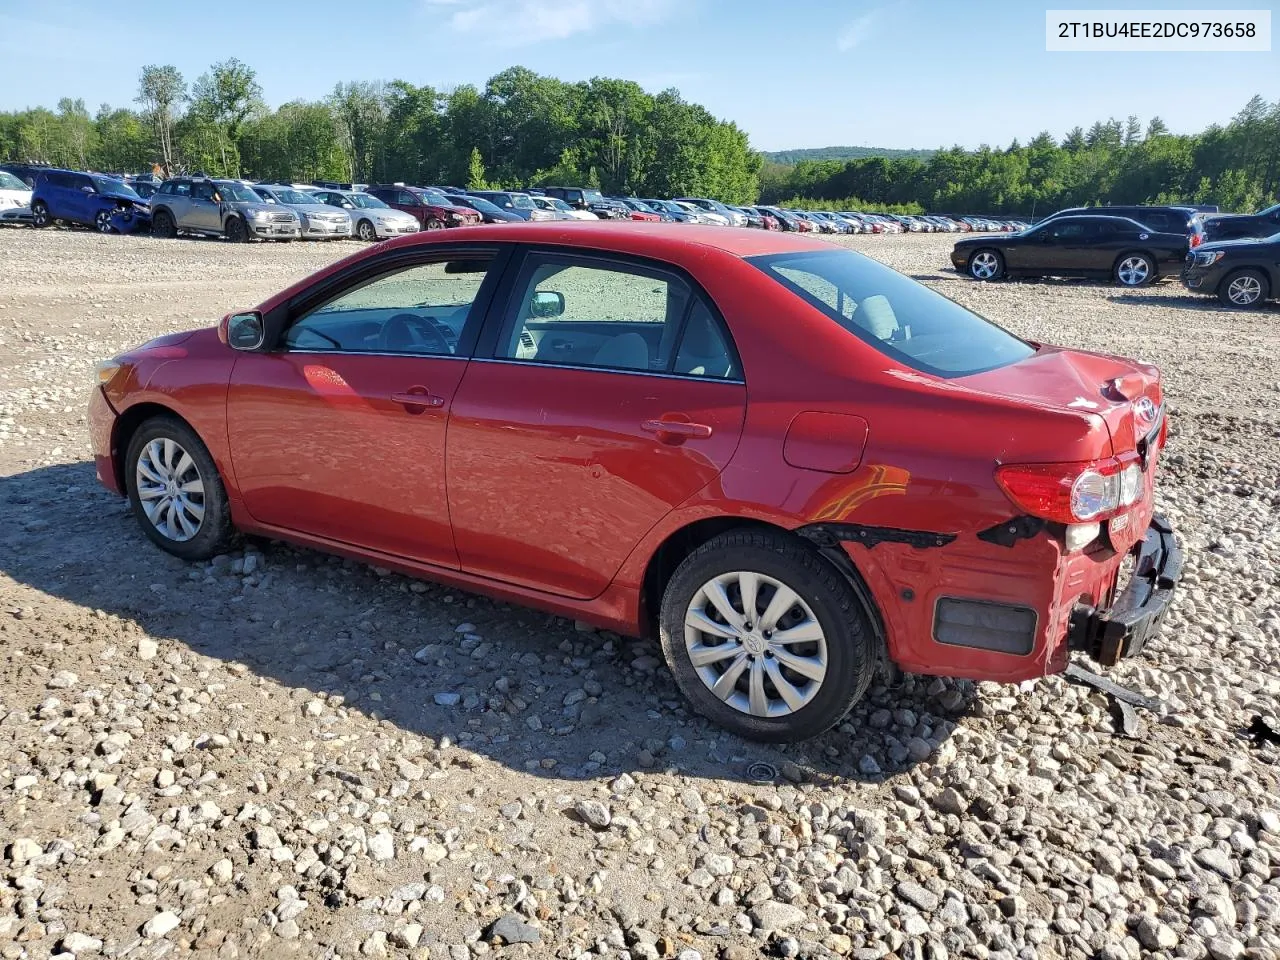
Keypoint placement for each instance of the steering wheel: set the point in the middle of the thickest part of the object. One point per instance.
(397, 334)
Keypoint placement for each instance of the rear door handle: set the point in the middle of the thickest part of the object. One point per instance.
(677, 428)
(417, 399)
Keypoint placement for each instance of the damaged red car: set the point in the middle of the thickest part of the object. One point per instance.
(788, 462)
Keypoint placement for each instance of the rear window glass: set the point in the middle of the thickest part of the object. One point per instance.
(902, 319)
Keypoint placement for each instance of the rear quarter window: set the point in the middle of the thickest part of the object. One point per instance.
(904, 320)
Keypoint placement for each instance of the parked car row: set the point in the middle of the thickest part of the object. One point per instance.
(1233, 257)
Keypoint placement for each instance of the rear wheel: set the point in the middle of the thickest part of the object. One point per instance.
(175, 491)
(986, 264)
(236, 230)
(1135, 270)
(40, 214)
(162, 225)
(1244, 288)
(765, 637)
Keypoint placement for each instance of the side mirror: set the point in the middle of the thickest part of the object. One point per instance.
(242, 331)
(546, 304)
(86, 189)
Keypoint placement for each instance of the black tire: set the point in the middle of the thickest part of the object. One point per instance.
(975, 264)
(1244, 289)
(214, 534)
(365, 230)
(850, 657)
(433, 224)
(1134, 269)
(236, 230)
(162, 225)
(102, 222)
(40, 214)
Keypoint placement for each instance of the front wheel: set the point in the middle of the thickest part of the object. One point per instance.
(365, 231)
(1244, 288)
(1135, 270)
(102, 222)
(986, 265)
(765, 637)
(434, 224)
(236, 230)
(175, 491)
(40, 214)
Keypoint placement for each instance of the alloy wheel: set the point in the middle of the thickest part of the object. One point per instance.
(170, 489)
(755, 644)
(1244, 291)
(365, 231)
(102, 221)
(984, 265)
(1133, 271)
(40, 214)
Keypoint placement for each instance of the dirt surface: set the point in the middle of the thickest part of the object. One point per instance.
(283, 754)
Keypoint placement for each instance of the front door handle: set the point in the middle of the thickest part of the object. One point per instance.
(681, 429)
(417, 400)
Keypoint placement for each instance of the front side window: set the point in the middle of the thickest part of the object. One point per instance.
(423, 309)
(204, 191)
(904, 320)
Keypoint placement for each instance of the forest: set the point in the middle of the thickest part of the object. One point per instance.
(526, 129)
(1236, 166)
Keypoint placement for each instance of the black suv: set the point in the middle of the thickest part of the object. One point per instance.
(1184, 220)
(1243, 273)
(587, 198)
(1265, 223)
(26, 172)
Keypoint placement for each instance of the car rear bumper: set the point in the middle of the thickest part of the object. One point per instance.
(102, 422)
(1137, 614)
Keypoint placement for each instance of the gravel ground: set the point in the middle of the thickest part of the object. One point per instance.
(284, 754)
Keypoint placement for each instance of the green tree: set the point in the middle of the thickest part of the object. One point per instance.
(160, 90)
(475, 172)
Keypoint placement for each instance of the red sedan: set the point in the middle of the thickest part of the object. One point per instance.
(789, 462)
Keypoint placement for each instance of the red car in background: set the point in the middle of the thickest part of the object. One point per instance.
(788, 461)
(637, 210)
(432, 209)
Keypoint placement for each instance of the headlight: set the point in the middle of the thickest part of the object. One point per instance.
(105, 370)
(262, 214)
(1207, 258)
(455, 216)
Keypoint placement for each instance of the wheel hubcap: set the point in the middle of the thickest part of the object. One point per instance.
(1244, 290)
(104, 221)
(755, 644)
(1133, 271)
(984, 266)
(366, 230)
(170, 489)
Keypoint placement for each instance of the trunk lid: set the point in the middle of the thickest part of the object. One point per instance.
(1125, 394)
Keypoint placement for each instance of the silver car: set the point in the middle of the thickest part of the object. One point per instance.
(218, 208)
(374, 220)
(319, 220)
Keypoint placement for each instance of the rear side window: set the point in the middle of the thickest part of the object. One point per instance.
(904, 320)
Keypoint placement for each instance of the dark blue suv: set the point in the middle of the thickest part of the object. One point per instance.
(104, 203)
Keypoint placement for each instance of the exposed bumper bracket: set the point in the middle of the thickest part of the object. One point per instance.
(830, 534)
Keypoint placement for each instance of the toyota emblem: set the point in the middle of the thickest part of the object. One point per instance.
(1144, 411)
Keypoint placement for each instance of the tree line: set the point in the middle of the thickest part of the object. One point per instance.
(1236, 166)
(520, 129)
(525, 129)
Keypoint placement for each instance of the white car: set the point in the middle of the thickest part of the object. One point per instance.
(703, 216)
(558, 206)
(373, 219)
(15, 199)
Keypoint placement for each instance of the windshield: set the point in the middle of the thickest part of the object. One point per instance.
(237, 192)
(1274, 208)
(118, 187)
(293, 196)
(9, 182)
(902, 319)
(435, 198)
(522, 201)
(364, 201)
(483, 205)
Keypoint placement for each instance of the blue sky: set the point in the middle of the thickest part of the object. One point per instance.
(808, 73)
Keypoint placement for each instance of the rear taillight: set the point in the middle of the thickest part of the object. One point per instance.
(1073, 492)
(1196, 240)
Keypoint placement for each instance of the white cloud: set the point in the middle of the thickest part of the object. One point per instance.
(855, 31)
(522, 22)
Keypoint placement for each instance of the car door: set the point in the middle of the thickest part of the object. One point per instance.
(205, 213)
(589, 413)
(178, 200)
(339, 432)
(81, 199)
